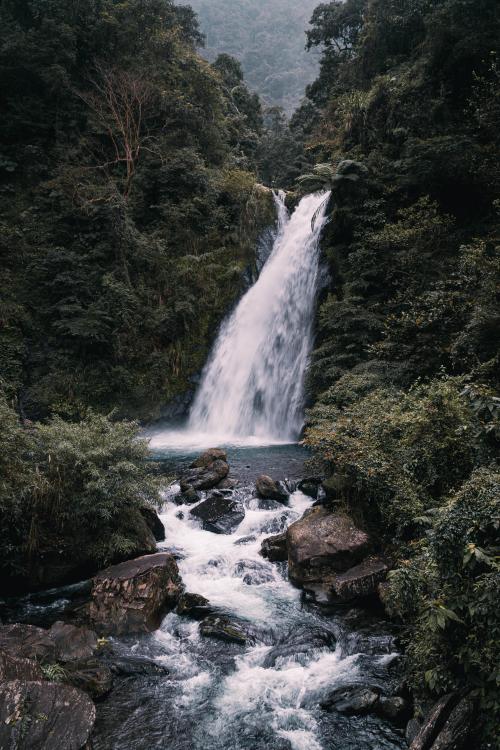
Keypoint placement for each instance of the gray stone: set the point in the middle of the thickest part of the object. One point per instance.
(37, 715)
(219, 514)
(268, 488)
(322, 543)
(132, 596)
(223, 629)
(274, 548)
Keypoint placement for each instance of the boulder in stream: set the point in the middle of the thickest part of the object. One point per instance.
(62, 642)
(132, 596)
(274, 548)
(269, 489)
(223, 629)
(360, 581)
(219, 514)
(37, 715)
(322, 543)
(206, 472)
(310, 486)
(154, 523)
(194, 605)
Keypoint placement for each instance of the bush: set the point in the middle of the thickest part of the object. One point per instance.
(447, 595)
(73, 491)
(402, 450)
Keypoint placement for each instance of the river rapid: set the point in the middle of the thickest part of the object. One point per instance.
(265, 695)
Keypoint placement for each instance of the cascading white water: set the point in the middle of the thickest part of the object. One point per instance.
(253, 383)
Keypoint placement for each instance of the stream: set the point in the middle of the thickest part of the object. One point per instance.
(266, 694)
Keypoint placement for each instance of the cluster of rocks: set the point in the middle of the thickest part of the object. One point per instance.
(328, 556)
(49, 678)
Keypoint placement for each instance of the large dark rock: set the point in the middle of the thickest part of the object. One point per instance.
(38, 715)
(132, 596)
(223, 629)
(194, 605)
(297, 642)
(18, 668)
(310, 486)
(447, 726)
(274, 548)
(268, 488)
(62, 642)
(219, 514)
(94, 678)
(72, 643)
(360, 581)
(322, 543)
(154, 523)
(352, 700)
(206, 472)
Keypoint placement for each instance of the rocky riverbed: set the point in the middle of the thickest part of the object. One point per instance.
(257, 624)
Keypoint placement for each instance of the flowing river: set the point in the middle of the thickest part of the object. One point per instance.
(266, 693)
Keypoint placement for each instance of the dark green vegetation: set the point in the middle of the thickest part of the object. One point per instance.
(406, 372)
(268, 37)
(70, 498)
(129, 205)
(129, 213)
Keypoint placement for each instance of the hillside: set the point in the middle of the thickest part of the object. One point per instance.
(268, 38)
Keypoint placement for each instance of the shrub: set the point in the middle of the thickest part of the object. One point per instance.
(72, 488)
(447, 595)
(402, 450)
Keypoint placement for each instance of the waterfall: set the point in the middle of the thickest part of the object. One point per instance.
(253, 383)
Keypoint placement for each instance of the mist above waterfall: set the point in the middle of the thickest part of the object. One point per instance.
(252, 387)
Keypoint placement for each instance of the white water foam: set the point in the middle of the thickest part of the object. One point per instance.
(252, 388)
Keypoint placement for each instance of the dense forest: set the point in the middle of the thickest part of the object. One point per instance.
(405, 374)
(268, 38)
(135, 180)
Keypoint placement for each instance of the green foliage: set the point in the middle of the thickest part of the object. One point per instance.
(402, 450)
(73, 490)
(124, 243)
(448, 590)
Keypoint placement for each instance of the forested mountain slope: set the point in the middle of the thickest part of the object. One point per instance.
(406, 372)
(129, 208)
(268, 37)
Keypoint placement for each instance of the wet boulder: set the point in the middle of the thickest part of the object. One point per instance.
(132, 596)
(360, 581)
(62, 642)
(18, 668)
(91, 676)
(219, 514)
(394, 708)
(299, 642)
(223, 629)
(154, 523)
(274, 548)
(353, 700)
(72, 643)
(322, 543)
(206, 472)
(189, 497)
(269, 489)
(310, 486)
(447, 726)
(194, 605)
(37, 715)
